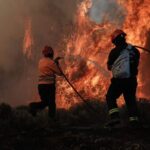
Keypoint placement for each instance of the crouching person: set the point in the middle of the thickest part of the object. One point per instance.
(123, 61)
(48, 70)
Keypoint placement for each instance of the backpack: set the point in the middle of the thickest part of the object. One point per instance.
(121, 66)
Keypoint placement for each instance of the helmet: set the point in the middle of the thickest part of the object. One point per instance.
(116, 33)
(48, 51)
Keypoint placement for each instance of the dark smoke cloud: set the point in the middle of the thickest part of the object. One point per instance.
(51, 20)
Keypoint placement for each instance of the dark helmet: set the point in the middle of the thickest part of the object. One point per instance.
(48, 51)
(117, 33)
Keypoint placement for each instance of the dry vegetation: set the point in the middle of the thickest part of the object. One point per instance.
(78, 128)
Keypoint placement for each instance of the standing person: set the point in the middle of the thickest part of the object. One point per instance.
(123, 61)
(48, 70)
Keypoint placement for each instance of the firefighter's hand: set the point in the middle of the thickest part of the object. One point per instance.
(57, 60)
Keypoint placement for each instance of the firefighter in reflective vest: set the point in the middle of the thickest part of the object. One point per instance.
(123, 61)
(46, 84)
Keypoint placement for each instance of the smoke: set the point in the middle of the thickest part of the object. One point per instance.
(50, 21)
(109, 10)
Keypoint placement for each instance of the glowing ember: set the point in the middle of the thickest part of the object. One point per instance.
(28, 40)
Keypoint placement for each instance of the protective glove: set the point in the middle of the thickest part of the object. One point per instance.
(57, 60)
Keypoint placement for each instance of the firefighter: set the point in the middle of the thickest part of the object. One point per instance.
(123, 61)
(48, 70)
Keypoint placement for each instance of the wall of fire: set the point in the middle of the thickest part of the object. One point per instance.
(79, 30)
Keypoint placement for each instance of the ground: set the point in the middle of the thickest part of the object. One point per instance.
(77, 129)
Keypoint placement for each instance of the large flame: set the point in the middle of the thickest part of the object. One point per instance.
(28, 39)
(89, 45)
(137, 25)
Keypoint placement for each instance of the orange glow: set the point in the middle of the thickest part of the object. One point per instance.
(28, 39)
(86, 59)
(89, 45)
(137, 25)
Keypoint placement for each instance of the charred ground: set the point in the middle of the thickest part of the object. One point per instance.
(77, 129)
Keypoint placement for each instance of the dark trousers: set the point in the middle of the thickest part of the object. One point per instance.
(127, 87)
(47, 95)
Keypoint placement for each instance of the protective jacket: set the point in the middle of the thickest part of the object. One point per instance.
(47, 71)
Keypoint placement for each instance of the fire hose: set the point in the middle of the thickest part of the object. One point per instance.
(145, 49)
(89, 107)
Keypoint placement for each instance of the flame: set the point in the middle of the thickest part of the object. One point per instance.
(85, 58)
(88, 47)
(28, 39)
(137, 22)
(137, 25)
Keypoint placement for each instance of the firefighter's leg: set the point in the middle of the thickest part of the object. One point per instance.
(130, 98)
(35, 106)
(52, 104)
(114, 91)
(43, 92)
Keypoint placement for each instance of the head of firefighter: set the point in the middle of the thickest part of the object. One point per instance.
(48, 52)
(118, 37)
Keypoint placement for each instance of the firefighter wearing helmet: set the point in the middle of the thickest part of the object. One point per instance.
(48, 70)
(123, 61)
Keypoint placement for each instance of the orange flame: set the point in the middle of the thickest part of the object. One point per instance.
(137, 25)
(28, 39)
(84, 59)
(89, 45)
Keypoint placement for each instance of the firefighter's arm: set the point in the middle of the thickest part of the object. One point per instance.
(55, 68)
(109, 61)
(137, 56)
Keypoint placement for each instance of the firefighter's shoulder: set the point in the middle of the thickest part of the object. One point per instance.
(113, 52)
(46, 61)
